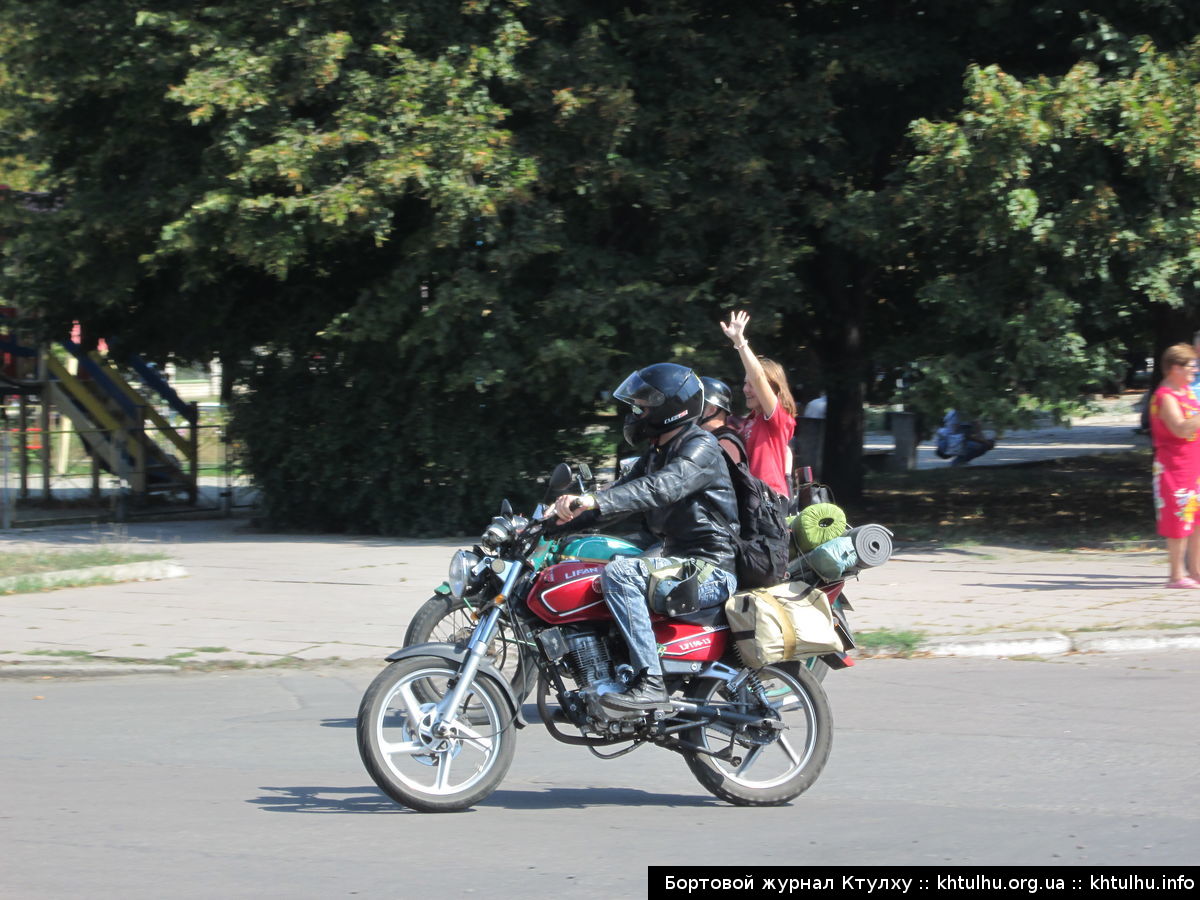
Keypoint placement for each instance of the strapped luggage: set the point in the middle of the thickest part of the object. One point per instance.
(787, 622)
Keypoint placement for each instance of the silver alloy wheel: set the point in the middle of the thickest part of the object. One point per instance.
(765, 765)
(420, 761)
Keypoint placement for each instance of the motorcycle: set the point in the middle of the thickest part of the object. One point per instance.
(437, 727)
(447, 618)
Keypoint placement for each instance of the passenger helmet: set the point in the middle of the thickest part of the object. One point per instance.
(717, 393)
(664, 397)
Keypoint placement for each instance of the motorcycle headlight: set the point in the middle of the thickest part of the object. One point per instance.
(461, 564)
(499, 533)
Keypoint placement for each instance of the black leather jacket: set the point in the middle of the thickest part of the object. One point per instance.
(683, 491)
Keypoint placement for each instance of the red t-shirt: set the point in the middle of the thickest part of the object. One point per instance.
(766, 447)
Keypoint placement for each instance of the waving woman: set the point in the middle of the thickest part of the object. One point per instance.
(772, 420)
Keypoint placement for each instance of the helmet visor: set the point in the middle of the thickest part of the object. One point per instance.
(639, 394)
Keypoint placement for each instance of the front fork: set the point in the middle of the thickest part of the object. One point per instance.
(481, 637)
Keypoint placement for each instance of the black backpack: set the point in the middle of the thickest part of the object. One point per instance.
(761, 541)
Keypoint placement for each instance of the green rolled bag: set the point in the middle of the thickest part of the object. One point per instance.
(818, 524)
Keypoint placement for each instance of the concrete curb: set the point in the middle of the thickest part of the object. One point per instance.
(1054, 643)
(1018, 643)
(995, 646)
(152, 570)
(83, 670)
(1117, 641)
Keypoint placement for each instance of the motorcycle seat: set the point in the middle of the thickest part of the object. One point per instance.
(714, 615)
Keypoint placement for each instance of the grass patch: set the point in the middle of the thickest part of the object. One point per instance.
(31, 584)
(33, 562)
(885, 640)
(1086, 501)
(186, 661)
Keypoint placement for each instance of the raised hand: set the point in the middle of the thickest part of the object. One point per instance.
(735, 328)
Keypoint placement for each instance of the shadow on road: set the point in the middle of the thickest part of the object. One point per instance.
(584, 797)
(306, 799)
(361, 800)
(1054, 581)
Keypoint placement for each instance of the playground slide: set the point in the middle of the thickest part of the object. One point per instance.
(119, 429)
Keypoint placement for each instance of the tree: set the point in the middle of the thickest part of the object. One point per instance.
(427, 238)
(1054, 213)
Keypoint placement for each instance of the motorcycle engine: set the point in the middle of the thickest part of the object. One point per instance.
(589, 659)
(591, 665)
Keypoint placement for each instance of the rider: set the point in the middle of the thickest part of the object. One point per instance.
(681, 485)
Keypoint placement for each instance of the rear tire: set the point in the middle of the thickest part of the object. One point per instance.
(769, 767)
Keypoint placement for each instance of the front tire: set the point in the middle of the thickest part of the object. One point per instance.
(444, 619)
(764, 767)
(419, 768)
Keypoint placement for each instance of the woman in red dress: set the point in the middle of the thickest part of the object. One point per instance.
(1174, 422)
(772, 420)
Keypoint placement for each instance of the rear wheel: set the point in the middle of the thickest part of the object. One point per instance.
(764, 765)
(413, 756)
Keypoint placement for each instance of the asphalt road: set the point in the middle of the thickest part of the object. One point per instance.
(249, 784)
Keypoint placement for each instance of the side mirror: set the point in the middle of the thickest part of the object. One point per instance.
(586, 481)
(560, 480)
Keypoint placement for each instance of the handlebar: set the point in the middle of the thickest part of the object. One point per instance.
(549, 528)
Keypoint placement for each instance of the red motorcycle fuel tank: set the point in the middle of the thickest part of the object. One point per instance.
(568, 592)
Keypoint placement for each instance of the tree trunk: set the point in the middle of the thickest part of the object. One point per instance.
(844, 363)
(1172, 325)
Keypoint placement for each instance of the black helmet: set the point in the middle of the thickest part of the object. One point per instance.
(664, 396)
(717, 393)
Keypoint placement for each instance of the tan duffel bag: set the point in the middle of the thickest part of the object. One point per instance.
(786, 622)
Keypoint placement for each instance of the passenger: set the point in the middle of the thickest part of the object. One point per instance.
(768, 429)
(718, 405)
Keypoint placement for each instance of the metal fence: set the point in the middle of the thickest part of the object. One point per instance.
(48, 475)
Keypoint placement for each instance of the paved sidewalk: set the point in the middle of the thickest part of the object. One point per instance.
(261, 598)
(1113, 430)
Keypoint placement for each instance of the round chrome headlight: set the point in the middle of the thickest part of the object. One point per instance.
(496, 535)
(461, 564)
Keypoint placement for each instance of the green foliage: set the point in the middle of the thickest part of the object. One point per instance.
(426, 236)
(1049, 215)
(888, 641)
(343, 438)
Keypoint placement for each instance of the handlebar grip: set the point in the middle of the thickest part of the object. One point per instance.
(575, 504)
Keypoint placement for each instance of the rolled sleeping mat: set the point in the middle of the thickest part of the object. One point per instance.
(833, 558)
(872, 544)
(816, 524)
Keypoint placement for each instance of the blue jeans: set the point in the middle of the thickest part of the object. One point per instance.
(625, 581)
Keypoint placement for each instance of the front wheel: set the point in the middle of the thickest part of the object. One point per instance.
(763, 765)
(419, 761)
(443, 618)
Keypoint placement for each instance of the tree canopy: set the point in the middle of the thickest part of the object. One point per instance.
(427, 237)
